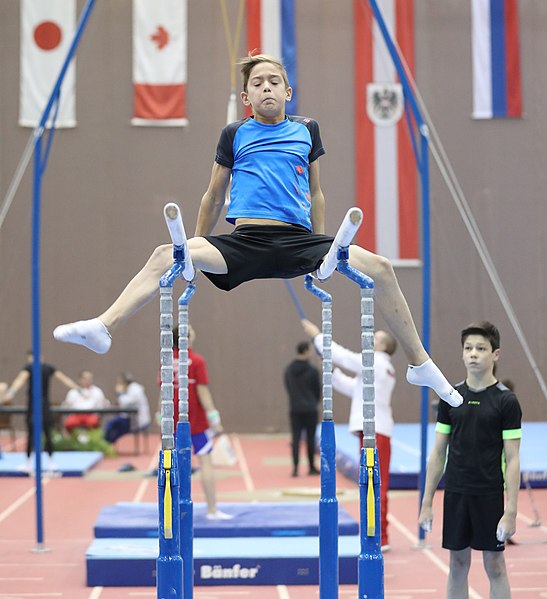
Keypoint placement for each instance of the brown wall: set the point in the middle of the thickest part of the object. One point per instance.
(107, 182)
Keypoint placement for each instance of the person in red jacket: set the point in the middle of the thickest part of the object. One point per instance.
(204, 419)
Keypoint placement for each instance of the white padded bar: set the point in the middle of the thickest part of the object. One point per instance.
(352, 221)
(173, 218)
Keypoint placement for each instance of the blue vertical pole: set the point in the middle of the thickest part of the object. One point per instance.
(39, 168)
(183, 446)
(36, 341)
(426, 306)
(328, 502)
(423, 168)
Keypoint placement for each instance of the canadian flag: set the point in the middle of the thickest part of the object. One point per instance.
(159, 62)
(47, 30)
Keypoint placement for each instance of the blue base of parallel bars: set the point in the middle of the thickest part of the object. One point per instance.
(370, 565)
(183, 445)
(169, 564)
(328, 515)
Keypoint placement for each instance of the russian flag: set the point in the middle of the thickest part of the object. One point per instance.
(496, 59)
(385, 167)
(271, 30)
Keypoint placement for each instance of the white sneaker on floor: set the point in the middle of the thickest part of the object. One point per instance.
(218, 515)
(26, 466)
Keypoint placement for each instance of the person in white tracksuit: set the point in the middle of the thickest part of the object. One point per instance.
(384, 383)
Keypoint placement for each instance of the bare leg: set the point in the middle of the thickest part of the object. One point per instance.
(208, 484)
(390, 301)
(394, 308)
(494, 565)
(457, 586)
(95, 333)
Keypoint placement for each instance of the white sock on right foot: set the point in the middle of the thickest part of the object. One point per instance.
(92, 334)
(429, 375)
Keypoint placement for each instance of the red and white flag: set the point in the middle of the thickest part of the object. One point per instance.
(159, 62)
(386, 174)
(47, 31)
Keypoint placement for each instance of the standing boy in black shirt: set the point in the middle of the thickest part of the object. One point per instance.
(479, 435)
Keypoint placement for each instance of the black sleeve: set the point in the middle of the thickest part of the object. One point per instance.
(317, 148)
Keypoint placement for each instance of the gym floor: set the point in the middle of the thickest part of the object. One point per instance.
(71, 506)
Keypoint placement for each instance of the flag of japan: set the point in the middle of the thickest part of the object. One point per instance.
(47, 30)
(159, 62)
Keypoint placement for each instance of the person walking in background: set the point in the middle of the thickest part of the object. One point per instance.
(48, 372)
(87, 396)
(303, 384)
(129, 394)
(478, 435)
(204, 419)
(385, 346)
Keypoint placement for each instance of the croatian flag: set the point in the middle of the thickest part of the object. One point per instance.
(271, 30)
(159, 62)
(47, 31)
(496, 59)
(385, 167)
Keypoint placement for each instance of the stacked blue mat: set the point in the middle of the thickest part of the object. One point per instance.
(263, 544)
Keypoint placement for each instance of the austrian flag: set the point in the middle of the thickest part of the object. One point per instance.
(159, 62)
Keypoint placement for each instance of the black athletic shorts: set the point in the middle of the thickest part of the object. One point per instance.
(267, 252)
(471, 521)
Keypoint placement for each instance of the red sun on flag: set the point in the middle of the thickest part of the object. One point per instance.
(47, 35)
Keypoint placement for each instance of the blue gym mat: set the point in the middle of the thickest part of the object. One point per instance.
(239, 561)
(68, 463)
(294, 519)
(405, 453)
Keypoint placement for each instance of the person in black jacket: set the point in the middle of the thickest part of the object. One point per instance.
(302, 381)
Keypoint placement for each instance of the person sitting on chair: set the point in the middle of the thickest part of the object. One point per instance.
(130, 394)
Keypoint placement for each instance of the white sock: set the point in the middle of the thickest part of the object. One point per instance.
(429, 375)
(92, 334)
(218, 515)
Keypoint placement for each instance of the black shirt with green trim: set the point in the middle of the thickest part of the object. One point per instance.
(477, 430)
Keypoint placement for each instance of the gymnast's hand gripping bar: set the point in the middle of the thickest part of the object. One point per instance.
(173, 218)
(352, 221)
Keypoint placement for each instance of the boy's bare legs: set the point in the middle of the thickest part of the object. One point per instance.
(95, 333)
(457, 585)
(394, 308)
(208, 484)
(494, 566)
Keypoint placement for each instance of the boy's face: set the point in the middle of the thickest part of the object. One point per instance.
(266, 93)
(478, 355)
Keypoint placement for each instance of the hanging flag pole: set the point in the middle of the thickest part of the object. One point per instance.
(40, 164)
(423, 169)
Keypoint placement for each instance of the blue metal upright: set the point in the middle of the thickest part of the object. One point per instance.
(370, 567)
(328, 503)
(183, 447)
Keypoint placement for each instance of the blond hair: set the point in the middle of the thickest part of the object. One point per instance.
(248, 63)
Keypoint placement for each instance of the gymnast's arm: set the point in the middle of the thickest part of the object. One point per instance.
(317, 199)
(213, 199)
(435, 469)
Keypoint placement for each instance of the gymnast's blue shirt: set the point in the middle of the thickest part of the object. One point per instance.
(270, 168)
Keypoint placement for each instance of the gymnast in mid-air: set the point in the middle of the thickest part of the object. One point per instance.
(277, 207)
